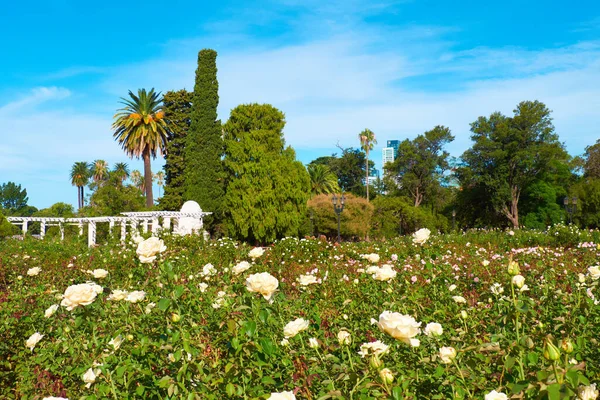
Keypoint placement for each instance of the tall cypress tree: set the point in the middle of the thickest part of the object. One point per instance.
(204, 144)
(177, 107)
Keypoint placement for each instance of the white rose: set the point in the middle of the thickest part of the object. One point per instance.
(241, 267)
(33, 340)
(386, 376)
(284, 342)
(308, 279)
(344, 337)
(518, 281)
(116, 342)
(149, 248)
(256, 252)
(118, 295)
(209, 270)
(149, 308)
(135, 296)
(497, 289)
(34, 271)
(385, 273)
(313, 343)
(447, 354)
(493, 395)
(485, 263)
(50, 311)
(421, 236)
(399, 326)
(372, 269)
(282, 396)
(459, 299)
(376, 348)
(203, 286)
(373, 257)
(594, 272)
(588, 392)
(295, 327)
(99, 273)
(433, 329)
(89, 377)
(452, 287)
(263, 283)
(82, 294)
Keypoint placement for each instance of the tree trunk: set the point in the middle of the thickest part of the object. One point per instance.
(82, 197)
(418, 197)
(367, 168)
(79, 197)
(148, 179)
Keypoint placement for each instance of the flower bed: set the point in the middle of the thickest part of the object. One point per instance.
(480, 315)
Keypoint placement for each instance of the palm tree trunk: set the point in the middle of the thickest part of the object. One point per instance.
(79, 197)
(367, 180)
(148, 178)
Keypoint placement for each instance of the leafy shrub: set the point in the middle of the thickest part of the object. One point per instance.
(355, 219)
(396, 215)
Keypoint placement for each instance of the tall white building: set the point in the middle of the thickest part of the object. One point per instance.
(388, 155)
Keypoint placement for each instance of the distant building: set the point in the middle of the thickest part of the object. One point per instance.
(388, 155)
(394, 144)
(373, 180)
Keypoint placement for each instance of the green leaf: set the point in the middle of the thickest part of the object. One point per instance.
(163, 304)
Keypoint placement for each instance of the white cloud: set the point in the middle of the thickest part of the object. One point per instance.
(35, 97)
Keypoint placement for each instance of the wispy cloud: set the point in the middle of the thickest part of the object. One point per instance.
(35, 97)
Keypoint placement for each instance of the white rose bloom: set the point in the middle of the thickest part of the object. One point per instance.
(203, 286)
(282, 396)
(50, 311)
(447, 354)
(374, 258)
(459, 299)
(581, 278)
(376, 348)
(295, 327)
(433, 329)
(518, 281)
(344, 337)
(497, 289)
(99, 273)
(587, 392)
(241, 267)
(284, 342)
(33, 340)
(34, 271)
(117, 295)
(149, 308)
(372, 269)
(308, 279)
(256, 252)
(313, 343)
(421, 236)
(485, 263)
(493, 395)
(386, 376)
(594, 272)
(148, 249)
(399, 326)
(89, 377)
(385, 273)
(263, 283)
(452, 287)
(82, 294)
(209, 270)
(135, 296)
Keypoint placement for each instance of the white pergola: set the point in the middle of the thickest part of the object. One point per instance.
(133, 219)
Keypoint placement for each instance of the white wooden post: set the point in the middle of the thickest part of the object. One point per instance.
(134, 226)
(25, 227)
(62, 230)
(80, 228)
(42, 229)
(155, 225)
(91, 233)
(111, 225)
(123, 230)
(145, 226)
(167, 223)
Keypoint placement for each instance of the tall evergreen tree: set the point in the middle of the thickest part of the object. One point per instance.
(177, 107)
(267, 188)
(204, 144)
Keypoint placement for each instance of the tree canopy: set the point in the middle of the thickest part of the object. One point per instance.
(12, 197)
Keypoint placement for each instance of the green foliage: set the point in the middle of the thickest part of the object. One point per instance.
(114, 198)
(394, 216)
(59, 210)
(418, 168)
(509, 154)
(350, 169)
(80, 176)
(6, 228)
(267, 188)
(12, 197)
(204, 177)
(592, 160)
(177, 107)
(588, 204)
(322, 180)
(367, 141)
(355, 219)
(141, 130)
(541, 198)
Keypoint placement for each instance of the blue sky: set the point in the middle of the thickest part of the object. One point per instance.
(334, 68)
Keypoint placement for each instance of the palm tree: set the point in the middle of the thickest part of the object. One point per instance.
(160, 180)
(80, 175)
(322, 180)
(121, 171)
(99, 172)
(367, 141)
(140, 128)
(137, 179)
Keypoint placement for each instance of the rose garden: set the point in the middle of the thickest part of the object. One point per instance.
(484, 314)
